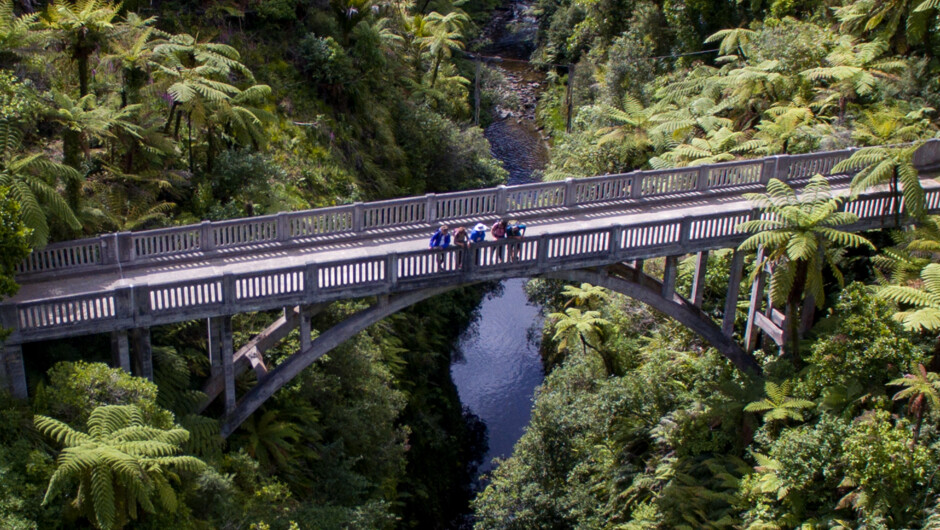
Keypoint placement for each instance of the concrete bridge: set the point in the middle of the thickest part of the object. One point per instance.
(595, 229)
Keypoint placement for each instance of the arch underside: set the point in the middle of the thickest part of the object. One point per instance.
(630, 282)
(618, 277)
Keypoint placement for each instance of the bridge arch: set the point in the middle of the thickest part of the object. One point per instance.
(323, 344)
(630, 282)
(618, 278)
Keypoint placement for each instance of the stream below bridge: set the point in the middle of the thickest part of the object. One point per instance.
(497, 365)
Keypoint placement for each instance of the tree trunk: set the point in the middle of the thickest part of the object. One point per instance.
(192, 162)
(210, 150)
(82, 59)
(169, 119)
(896, 193)
(437, 64)
(794, 308)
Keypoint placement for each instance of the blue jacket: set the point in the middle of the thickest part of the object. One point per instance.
(477, 235)
(439, 240)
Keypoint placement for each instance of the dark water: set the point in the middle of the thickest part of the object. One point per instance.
(497, 366)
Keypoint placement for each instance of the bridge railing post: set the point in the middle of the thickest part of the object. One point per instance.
(502, 200)
(541, 256)
(141, 298)
(206, 241)
(8, 317)
(616, 234)
(430, 208)
(636, 187)
(311, 279)
(685, 231)
(701, 183)
(283, 226)
(229, 293)
(357, 219)
(769, 168)
(123, 307)
(571, 194)
(781, 170)
(108, 244)
(391, 270)
(125, 247)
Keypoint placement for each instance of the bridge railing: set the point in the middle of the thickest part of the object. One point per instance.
(142, 305)
(168, 243)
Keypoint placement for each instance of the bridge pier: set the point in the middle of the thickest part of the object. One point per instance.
(143, 353)
(120, 350)
(757, 294)
(735, 275)
(13, 371)
(698, 279)
(228, 362)
(214, 345)
(669, 276)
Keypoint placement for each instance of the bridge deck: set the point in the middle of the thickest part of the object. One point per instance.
(380, 243)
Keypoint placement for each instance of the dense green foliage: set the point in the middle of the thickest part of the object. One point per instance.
(127, 116)
(681, 439)
(143, 114)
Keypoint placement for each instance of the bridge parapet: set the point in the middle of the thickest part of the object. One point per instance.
(317, 282)
(175, 242)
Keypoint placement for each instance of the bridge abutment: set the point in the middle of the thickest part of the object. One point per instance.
(13, 371)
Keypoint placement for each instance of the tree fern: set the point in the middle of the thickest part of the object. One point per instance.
(119, 464)
(799, 234)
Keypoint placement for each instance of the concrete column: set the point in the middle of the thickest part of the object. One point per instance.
(734, 286)
(228, 364)
(214, 346)
(143, 353)
(698, 278)
(638, 265)
(120, 350)
(757, 293)
(305, 316)
(669, 277)
(14, 371)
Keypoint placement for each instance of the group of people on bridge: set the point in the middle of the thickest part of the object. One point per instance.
(441, 239)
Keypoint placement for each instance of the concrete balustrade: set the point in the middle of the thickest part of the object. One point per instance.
(146, 305)
(167, 243)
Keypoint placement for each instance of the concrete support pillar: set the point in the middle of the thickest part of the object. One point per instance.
(143, 353)
(698, 279)
(669, 276)
(228, 362)
(757, 293)
(214, 345)
(735, 275)
(13, 370)
(305, 315)
(120, 350)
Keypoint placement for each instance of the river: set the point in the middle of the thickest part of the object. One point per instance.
(497, 365)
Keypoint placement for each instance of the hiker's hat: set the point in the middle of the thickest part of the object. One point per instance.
(480, 227)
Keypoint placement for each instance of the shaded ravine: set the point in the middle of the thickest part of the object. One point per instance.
(497, 366)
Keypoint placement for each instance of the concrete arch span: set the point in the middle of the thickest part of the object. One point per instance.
(618, 278)
(630, 282)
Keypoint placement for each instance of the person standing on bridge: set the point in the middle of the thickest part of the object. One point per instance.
(499, 232)
(515, 230)
(478, 234)
(461, 241)
(440, 239)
